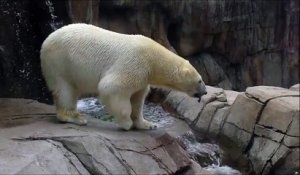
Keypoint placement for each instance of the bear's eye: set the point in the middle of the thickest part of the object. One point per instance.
(199, 81)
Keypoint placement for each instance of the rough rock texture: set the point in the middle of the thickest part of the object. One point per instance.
(295, 87)
(33, 142)
(263, 121)
(233, 44)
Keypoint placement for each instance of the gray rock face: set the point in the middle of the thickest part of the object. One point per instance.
(234, 44)
(33, 142)
(263, 122)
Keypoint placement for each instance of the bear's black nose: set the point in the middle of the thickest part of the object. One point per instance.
(197, 95)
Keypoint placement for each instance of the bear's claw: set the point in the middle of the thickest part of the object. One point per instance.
(153, 127)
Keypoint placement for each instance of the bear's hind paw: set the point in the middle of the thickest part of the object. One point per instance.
(72, 117)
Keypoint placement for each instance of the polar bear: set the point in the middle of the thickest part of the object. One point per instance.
(81, 59)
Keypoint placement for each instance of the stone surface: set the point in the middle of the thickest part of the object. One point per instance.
(288, 165)
(265, 93)
(188, 108)
(237, 135)
(282, 114)
(44, 146)
(290, 141)
(262, 151)
(207, 115)
(173, 100)
(38, 157)
(263, 121)
(244, 112)
(218, 120)
(268, 133)
(231, 96)
(295, 87)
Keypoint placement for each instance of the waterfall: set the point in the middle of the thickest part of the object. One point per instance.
(53, 23)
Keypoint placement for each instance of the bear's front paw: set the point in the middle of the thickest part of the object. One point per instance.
(80, 119)
(144, 124)
(125, 124)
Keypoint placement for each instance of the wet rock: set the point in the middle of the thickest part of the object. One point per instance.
(263, 122)
(197, 169)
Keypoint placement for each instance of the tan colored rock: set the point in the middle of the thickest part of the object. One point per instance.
(207, 115)
(280, 112)
(265, 93)
(189, 108)
(231, 96)
(244, 112)
(218, 120)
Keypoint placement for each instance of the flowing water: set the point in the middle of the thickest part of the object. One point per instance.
(53, 18)
(208, 155)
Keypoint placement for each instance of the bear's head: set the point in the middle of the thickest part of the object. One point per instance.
(190, 81)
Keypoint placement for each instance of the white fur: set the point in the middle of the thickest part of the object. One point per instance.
(81, 59)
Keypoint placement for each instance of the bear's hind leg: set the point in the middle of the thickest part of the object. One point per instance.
(137, 103)
(65, 99)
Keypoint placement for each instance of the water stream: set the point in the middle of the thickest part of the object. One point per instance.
(208, 155)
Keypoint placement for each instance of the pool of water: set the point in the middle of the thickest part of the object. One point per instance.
(208, 155)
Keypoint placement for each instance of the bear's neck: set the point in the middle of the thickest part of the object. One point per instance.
(166, 67)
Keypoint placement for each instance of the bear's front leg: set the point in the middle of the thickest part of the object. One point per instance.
(137, 103)
(120, 108)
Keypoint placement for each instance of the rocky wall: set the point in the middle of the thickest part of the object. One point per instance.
(233, 44)
(263, 121)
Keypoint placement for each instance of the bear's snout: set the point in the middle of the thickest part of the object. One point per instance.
(201, 90)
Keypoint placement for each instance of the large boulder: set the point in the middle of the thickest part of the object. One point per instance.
(263, 121)
(32, 141)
